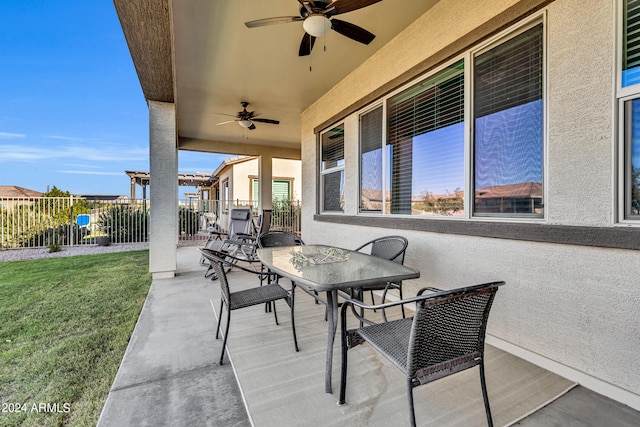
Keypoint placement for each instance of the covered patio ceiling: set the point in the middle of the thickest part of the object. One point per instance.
(200, 55)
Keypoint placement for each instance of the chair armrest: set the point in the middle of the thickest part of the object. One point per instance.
(230, 260)
(218, 234)
(427, 288)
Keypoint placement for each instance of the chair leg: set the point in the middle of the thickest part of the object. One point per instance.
(485, 396)
(219, 319)
(412, 413)
(210, 273)
(343, 370)
(293, 317)
(226, 335)
(275, 315)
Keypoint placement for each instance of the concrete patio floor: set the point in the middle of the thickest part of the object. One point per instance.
(170, 374)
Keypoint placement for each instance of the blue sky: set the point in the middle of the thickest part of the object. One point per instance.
(72, 113)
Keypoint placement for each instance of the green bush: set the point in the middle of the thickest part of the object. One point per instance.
(188, 221)
(124, 224)
(64, 234)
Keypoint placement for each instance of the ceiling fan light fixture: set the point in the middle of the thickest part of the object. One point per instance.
(316, 25)
(245, 123)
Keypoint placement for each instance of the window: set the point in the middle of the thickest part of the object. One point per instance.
(280, 190)
(631, 43)
(371, 199)
(465, 141)
(425, 146)
(508, 127)
(225, 195)
(332, 169)
(630, 111)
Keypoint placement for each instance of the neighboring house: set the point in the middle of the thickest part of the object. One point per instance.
(507, 104)
(237, 183)
(9, 195)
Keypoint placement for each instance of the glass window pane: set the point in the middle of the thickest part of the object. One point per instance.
(333, 197)
(426, 146)
(281, 190)
(632, 159)
(371, 161)
(333, 148)
(508, 127)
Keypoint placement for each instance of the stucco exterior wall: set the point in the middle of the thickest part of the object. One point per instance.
(241, 182)
(282, 168)
(573, 307)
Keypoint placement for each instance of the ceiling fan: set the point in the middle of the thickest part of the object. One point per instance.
(246, 118)
(316, 20)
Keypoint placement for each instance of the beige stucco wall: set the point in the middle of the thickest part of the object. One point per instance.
(570, 308)
(282, 168)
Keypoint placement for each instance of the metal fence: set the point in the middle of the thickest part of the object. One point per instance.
(69, 221)
(286, 214)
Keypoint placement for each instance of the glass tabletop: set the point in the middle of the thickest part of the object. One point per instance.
(326, 268)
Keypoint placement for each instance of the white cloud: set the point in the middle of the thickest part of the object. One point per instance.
(68, 138)
(82, 172)
(76, 152)
(9, 135)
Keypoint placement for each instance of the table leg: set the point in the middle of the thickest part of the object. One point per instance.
(332, 324)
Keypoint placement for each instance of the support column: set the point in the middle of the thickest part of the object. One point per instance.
(265, 174)
(163, 192)
(132, 191)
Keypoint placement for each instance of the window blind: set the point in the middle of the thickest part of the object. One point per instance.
(431, 104)
(333, 148)
(280, 189)
(418, 153)
(371, 161)
(631, 49)
(510, 74)
(508, 126)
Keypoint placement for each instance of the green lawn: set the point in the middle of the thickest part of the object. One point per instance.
(64, 326)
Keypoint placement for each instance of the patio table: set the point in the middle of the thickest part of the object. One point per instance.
(354, 269)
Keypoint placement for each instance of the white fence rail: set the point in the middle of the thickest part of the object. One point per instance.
(69, 221)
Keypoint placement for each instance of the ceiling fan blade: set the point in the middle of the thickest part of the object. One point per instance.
(344, 6)
(273, 122)
(252, 127)
(306, 45)
(352, 31)
(273, 21)
(224, 123)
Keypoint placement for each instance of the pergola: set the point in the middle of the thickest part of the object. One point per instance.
(199, 180)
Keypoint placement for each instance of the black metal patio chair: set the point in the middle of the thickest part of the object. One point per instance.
(241, 242)
(275, 238)
(392, 248)
(445, 336)
(263, 294)
(240, 225)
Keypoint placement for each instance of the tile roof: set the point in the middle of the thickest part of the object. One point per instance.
(15, 191)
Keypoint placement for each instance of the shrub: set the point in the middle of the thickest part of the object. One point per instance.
(124, 224)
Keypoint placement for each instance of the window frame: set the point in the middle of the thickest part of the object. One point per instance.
(467, 56)
(225, 195)
(505, 37)
(331, 170)
(624, 94)
(383, 172)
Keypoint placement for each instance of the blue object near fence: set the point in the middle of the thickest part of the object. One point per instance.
(83, 220)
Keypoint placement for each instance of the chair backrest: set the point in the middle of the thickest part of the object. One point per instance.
(240, 221)
(218, 266)
(278, 238)
(392, 248)
(448, 331)
(264, 222)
